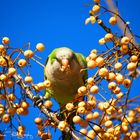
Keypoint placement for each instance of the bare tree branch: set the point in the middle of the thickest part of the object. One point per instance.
(42, 108)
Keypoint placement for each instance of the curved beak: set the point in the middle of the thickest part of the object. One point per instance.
(65, 64)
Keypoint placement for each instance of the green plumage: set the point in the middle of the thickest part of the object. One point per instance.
(64, 83)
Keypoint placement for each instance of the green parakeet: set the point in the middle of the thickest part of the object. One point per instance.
(63, 70)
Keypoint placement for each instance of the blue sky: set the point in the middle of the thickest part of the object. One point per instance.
(56, 24)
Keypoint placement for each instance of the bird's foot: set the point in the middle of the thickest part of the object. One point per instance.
(38, 100)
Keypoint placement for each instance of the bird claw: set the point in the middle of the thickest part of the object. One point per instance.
(38, 100)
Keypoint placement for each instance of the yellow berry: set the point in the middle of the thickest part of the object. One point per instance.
(131, 66)
(21, 127)
(10, 83)
(76, 119)
(108, 124)
(83, 131)
(81, 110)
(20, 134)
(2, 61)
(125, 40)
(99, 21)
(131, 113)
(69, 106)
(92, 19)
(125, 128)
(81, 104)
(90, 80)
(127, 83)
(95, 115)
(124, 49)
(87, 20)
(100, 61)
(134, 58)
(40, 86)
(28, 53)
(130, 119)
(119, 95)
(103, 72)
(1, 110)
(101, 106)
(118, 66)
(5, 40)
(92, 103)
(40, 47)
(22, 63)
(111, 110)
(47, 83)
(94, 89)
(28, 79)
(19, 111)
(11, 71)
(46, 136)
(108, 37)
(117, 90)
(1, 48)
(102, 41)
(113, 20)
(110, 130)
(82, 90)
(112, 85)
(134, 135)
(96, 128)
(106, 105)
(3, 77)
(91, 64)
(96, 8)
(48, 104)
(87, 59)
(93, 56)
(6, 118)
(119, 78)
(38, 120)
(24, 105)
(120, 111)
(89, 117)
(94, 51)
(90, 135)
(111, 76)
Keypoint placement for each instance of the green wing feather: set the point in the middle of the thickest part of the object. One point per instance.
(82, 61)
(51, 57)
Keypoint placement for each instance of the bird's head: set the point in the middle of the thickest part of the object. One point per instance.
(64, 56)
